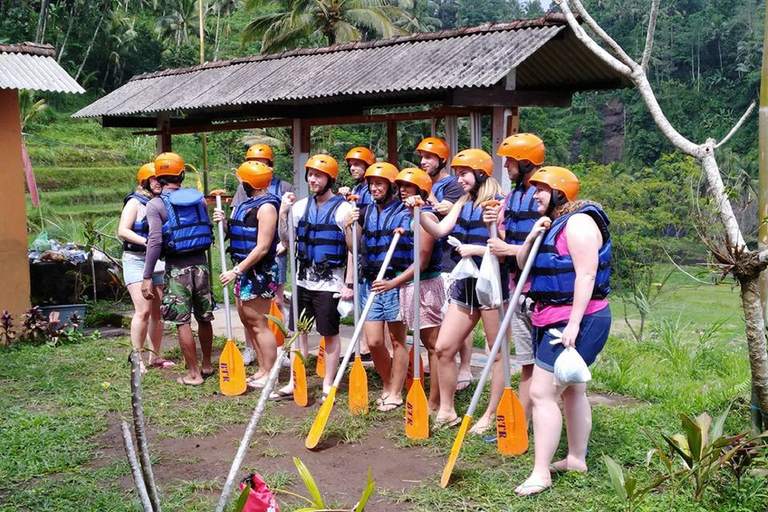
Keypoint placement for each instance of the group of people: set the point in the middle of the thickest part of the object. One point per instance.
(567, 290)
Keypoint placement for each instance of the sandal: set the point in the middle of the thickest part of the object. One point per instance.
(389, 406)
(443, 424)
(280, 395)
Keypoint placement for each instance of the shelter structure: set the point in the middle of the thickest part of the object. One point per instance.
(22, 66)
(491, 69)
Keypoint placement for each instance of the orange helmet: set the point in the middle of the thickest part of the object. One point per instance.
(323, 163)
(415, 177)
(382, 170)
(361, 153)
(145, 171)
(523, 146)
(435, 146)
(560, 179)
(260, 151)
(256, 174)
(168, 164)
(475, 159)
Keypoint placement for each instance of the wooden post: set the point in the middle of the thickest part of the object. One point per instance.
(392, 156)
(300, 156)
(14, 266)
(504, 122)
(452, 136)
(164, 137)
(476, 130)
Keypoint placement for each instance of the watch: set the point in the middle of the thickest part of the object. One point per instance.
(350, 285)
(236, 270)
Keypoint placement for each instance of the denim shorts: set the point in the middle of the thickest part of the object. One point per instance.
(593, 333)
(282, 269)
(385, 307)
(133, 270)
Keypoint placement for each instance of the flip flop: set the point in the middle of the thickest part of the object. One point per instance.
(207, 375)
(389, 406)
(279, 396)
(257, 384)
(463, 384)
(441, 424)
(541, 489)
(183, 381)
(163, 364)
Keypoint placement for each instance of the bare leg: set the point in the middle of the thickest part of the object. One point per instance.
(188, 348)
(156, 323)
(465, 357)
(578, 426)
(332, 354)
(547, 426)
(458, 323)
(491, 324)
(374, 333)
(524, 389)
(205, 333)
(400, 360)
(304, 347)
(140, 321)
(252, 313)
(429, 339)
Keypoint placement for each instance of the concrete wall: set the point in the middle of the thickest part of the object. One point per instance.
(14, 268)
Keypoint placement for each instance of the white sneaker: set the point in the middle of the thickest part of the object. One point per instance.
(249, 356)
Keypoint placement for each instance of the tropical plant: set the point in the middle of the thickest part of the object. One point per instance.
(286, 24)
(626, 487)
(29, 107)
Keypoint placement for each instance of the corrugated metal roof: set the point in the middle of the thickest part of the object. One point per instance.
(31, 66)
(474, 57)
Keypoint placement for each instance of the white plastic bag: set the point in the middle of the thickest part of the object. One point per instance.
(570, 367)
(488, 287)
(345, 308)
(464, 268)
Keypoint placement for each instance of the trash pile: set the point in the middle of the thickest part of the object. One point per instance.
(45, 250)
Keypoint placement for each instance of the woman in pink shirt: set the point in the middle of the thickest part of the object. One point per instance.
(570, 282)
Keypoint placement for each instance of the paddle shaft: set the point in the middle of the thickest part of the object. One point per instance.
(223, 253)
(355, 299)
(504, 327)
(505, 346)
(368, 304)
(294, 263)
(416, 291)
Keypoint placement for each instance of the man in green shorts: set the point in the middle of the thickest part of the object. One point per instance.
(180, 230)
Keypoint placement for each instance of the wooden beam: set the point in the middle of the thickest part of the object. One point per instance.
(299, 158)
(164, 144)
(392, 143)
(495, 97)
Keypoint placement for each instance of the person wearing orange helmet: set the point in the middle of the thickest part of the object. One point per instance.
(253, 238)
(434, 154)
(262, 153)
(570, 284)
(322, 255)
(377, 226)
(474, 170)
(133, 231)
(358, 160)
(180, 229)
(524, 155)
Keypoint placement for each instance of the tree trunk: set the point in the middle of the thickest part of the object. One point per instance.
(758, 359)
(72, 14)
(90, 46)
(762, 211)
(40, 33)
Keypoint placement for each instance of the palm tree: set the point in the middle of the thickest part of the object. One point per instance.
(180, 20)
(287, 24)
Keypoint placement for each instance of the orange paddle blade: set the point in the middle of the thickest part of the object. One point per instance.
(299, 381)
(519, 426)
(231, 370)
(409, 374)
(455, 451)
(416, 412)
(275, 312)
(358, 388)
(313, 438)
(320, 368)
(504, 422)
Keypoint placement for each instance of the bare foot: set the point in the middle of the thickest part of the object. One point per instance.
(533, 486)
(463, 380)
(568, 464)
(482, 426)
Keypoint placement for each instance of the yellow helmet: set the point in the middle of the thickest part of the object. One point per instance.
(145, 171)
(523, 146)
(260, 151)
(558, 178)
(168, 164)
(436, 146)
(475, 159)
(361, 153)
(382, 170)
(415, 177)
(256, 174)
(323, 163)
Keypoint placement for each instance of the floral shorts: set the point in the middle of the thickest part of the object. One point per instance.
(258, 283)
(431, 306)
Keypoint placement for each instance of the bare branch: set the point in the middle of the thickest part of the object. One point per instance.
(138, 480)
(649, 37)
(141, 431)
(737, 125)
(598, 50)
(602, 34)
(678, 267)
(763, 256)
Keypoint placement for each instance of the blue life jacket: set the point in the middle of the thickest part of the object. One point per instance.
(435, 264)
(361, 190)
(377, 235)
(242, 238)
(320, 242)
(188, 228)
(276, 187)
(520, 214)
(470, 229)
(141, 227)
(553, 276)
(438, 189)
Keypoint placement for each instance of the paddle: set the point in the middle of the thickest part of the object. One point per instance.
(358, 379)
(320, 366)
(487, 370)
(298, 370)
(231, 368)
(416, 409)
(325, 410)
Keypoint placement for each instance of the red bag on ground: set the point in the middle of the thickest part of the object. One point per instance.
(260, 498)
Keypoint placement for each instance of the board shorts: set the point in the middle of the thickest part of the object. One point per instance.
(593, 333)
(257, 283)
(187, 291)
(322, 306)
(521, 331)
(385, 307)
(431, 307)
(463, 293)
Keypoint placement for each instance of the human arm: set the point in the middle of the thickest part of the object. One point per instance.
(351, 218)
(125, 227)
(285, 209)
(154, 245)
(346, 292)
(522, 253)
(219, 216)
(437, 229)
(584, 242)
(267, 219)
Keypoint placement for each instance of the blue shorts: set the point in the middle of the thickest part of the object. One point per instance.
(385, 307)
(133, 271)
(593, 333)
(282, 269)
